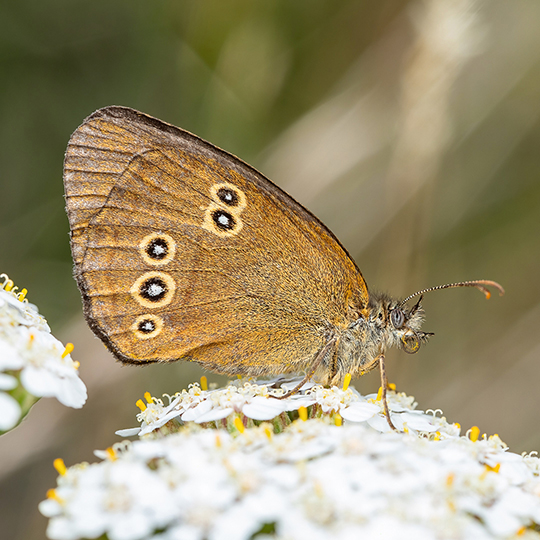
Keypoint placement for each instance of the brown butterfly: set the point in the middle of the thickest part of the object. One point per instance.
(183, 251)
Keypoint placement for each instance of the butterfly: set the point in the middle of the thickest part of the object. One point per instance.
(183, 251)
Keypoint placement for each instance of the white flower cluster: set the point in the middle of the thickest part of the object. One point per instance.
(259, 402)
(306, 478)
(33, 363)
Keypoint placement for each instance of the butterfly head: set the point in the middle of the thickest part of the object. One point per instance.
(398, 325)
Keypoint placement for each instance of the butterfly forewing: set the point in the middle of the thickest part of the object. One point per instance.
(183, 251)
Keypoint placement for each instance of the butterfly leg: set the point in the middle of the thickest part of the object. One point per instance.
(384, 386)
(316, 363)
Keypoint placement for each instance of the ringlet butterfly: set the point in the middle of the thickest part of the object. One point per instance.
(183, 251)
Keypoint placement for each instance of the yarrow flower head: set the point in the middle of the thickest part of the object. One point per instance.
(33, 363)
(262, 401)
(237, 463)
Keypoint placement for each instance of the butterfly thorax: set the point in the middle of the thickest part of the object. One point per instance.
(386, 323)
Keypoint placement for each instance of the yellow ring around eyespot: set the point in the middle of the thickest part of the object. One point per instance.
(242, 201)
(170, 288)
(158, 322)
(145, 242)
(210, 225)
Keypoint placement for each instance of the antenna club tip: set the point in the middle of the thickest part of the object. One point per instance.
(494, 284)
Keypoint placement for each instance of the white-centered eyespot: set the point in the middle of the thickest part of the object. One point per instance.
(153, 289)
(221, 221)
(157, 249)
(228, 196)
(147, 326)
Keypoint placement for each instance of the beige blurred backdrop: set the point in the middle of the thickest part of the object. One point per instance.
(411, 128)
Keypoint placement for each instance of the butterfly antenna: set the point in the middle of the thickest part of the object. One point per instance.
(480, 284)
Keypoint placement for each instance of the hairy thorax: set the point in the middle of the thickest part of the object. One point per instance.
(360, 345)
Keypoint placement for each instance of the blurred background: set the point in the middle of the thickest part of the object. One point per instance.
(411, 128)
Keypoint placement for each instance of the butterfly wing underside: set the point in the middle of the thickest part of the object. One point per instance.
(182, 251)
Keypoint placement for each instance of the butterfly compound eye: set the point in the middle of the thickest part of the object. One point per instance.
(397, 317)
